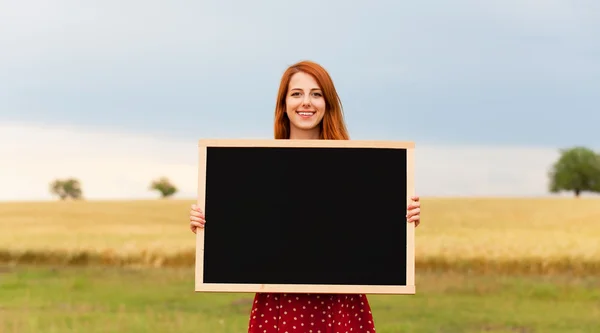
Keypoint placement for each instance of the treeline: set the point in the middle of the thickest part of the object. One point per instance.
(70, 188)
(577, 170)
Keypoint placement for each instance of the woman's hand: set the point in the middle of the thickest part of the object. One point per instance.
(196, 218)
(413, 213)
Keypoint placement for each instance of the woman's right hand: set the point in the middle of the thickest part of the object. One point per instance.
(196, 218)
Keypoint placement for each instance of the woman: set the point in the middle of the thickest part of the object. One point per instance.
(308, 107)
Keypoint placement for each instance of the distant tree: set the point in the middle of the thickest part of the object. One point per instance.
(164, 186)
(66, 188)
(577, 170)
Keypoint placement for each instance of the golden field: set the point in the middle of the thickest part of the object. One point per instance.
(456, 233)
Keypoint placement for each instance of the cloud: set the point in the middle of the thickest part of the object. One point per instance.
(465, 71)
(471, 170)
(121, 165)
(461, 71)
(109, 165)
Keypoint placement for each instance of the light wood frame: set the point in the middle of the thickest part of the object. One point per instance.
(200, 286)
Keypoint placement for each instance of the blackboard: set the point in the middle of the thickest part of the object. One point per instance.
(306, 216)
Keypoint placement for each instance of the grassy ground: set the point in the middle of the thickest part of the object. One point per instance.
(483, 265)
(94, 300)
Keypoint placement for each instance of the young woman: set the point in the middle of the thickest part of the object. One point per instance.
(308, 107)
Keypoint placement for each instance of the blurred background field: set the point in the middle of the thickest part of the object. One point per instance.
(483, 265)
(535, 234)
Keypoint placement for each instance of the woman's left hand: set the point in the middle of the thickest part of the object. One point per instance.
(413, 213)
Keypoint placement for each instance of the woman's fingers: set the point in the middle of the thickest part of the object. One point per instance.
(415, 219)
(196, 214)
(195, 225)
(196, 211)
(414, 205)
(413, 212)
(199, 224)
(197, 219)
(195, 208)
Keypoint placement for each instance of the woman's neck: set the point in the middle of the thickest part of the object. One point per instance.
(297, 134)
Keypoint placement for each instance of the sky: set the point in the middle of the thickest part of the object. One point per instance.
(117, 93)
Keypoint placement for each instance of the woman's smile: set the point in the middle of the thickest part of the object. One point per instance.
(306, 114)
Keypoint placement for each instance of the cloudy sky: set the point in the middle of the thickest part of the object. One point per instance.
(117, 93)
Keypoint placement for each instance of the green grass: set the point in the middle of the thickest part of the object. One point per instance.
(102, 299)
(483, 265)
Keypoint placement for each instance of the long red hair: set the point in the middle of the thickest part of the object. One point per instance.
(332, 127)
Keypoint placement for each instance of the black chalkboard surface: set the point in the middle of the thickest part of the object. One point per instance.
(311, 216)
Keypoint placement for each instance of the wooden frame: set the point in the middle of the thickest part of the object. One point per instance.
(201, 286)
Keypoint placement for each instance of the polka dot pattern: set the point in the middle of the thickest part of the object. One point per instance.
(310, 313)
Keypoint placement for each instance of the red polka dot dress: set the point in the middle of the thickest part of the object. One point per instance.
(310, 313)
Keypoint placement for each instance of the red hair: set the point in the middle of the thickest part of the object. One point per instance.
(332, 127)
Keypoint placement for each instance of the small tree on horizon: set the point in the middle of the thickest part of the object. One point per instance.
(577, 170)
(164, 186)
(67, 188)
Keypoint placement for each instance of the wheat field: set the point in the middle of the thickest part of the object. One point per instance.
(550, 240)
(476, 233)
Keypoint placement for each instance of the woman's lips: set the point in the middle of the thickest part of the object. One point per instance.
(306, 114)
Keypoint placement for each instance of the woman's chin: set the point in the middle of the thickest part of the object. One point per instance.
(305, 125)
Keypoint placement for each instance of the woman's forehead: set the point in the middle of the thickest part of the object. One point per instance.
(302, 80)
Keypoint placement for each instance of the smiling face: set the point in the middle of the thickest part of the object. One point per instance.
(305, 106)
